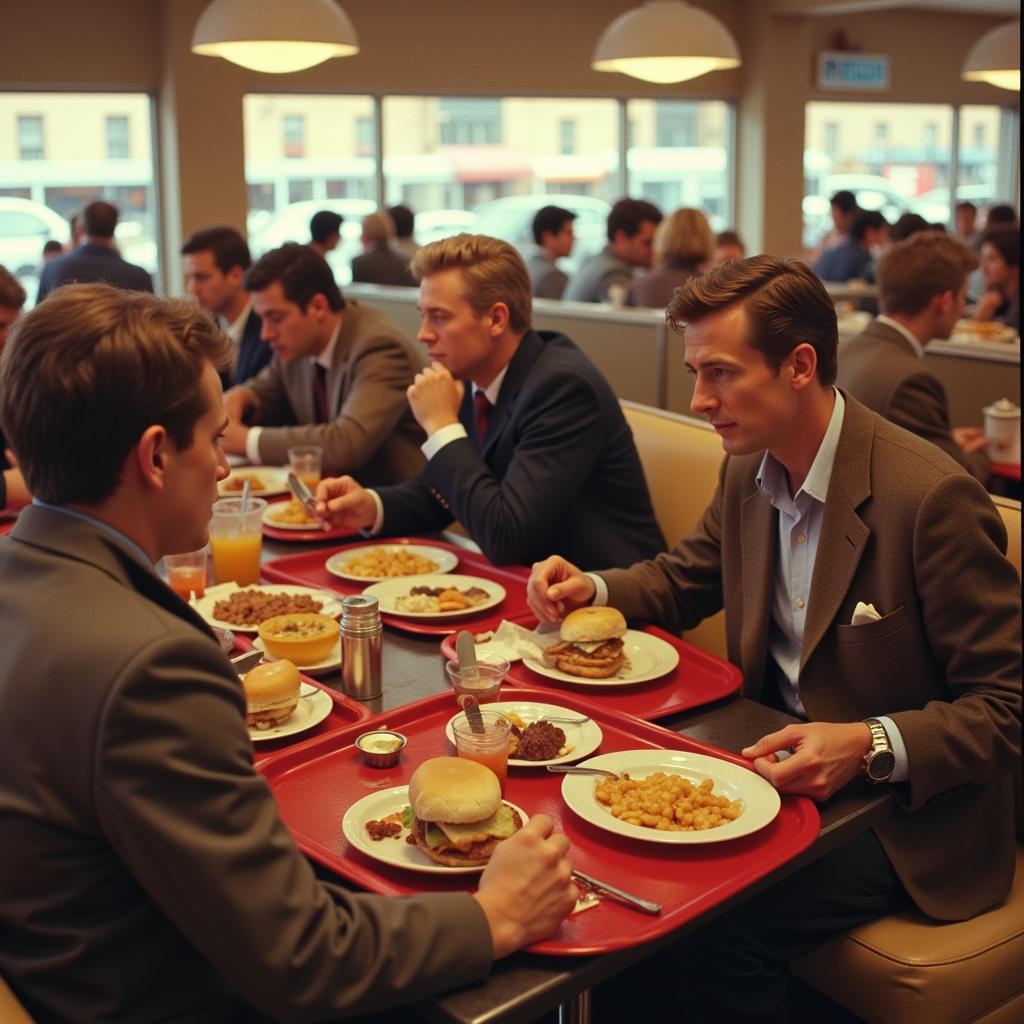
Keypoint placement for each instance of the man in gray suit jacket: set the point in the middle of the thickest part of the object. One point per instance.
(338, 377)
(922, 286)
(146, 873)
(554, 238)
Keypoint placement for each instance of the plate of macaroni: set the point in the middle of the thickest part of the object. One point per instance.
(436, 597)
(289, 515)
(263, 481)
(672, 796)
(371, 563)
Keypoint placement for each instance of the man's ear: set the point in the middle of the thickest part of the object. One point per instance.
(499, 317)
(943, 302)
(235, 276)
(803, 362)
(151, 452)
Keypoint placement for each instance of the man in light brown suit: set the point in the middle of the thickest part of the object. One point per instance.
(866, 592)
(922, 287)
(146, 873)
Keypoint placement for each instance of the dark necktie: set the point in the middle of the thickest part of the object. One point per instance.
(320, 408)
(483, 416)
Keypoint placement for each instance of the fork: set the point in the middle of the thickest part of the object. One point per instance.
(578, 769)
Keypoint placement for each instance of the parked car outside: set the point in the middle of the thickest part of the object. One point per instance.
(25, 227)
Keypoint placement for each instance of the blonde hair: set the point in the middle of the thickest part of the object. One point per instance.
(492, 270)
(684, 235)
(378, 227)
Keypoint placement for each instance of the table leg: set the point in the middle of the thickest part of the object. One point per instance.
(577, 1010)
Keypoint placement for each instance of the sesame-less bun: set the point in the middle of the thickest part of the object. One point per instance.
(271, 693)
(588, 625)
(453, 789)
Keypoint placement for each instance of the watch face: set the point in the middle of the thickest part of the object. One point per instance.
(881, 765)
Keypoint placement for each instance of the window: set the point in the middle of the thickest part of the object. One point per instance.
(470, 122)
(364, 136)
(930, 135)
(566, 137)
(830, 138)
(117, 137)
(979, 135)
(676, 124)
(30, 137)
(881, 133)
(989, 154)
(294, 135)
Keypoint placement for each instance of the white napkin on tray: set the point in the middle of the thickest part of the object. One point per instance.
(512, 641)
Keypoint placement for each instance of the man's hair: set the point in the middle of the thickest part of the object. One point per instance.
(378, 227)
(1005, 239)
(550, 218)
(1001, 213)
(52, 245)
(785, 302)
(966, 204)
(88, 371)
(729, 238)
(844, 200)
(628, 214)
(227, 246)
(323, 224)
(301, 272)
(100, 219)
(912, 272)
(492, 269)
(12, 295)
(684, 234)
(865, 221)
(908, 224)
(402, 217)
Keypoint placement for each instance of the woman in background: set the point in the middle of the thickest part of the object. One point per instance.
(683, 246)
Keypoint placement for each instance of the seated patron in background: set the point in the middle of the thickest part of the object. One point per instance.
(216, 260)
(51, 250)
(554, 238)
(404, 219)
(76, 227)
(922, 285)
(526, 444)
(683, 247)
(147, 875)
(13, 492)
(965, 223)
(1001, 215)
(325, 231)
(379, 263)
(728, 246)
(866, 592)
(842, 208)
(96, 258)
(1000, 268)
(631, 225)
(852, 258)
(907, 224)
(337, 378)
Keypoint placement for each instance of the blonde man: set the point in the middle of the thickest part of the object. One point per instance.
(379, 263)
(526, 444)
(683, 247)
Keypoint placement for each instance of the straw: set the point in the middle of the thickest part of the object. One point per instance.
(246, 486)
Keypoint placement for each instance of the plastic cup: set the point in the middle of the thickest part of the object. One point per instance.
(186, 572)
(490, 747)
(483, 681)
(617, 294)
(306, 463)
(236, 538)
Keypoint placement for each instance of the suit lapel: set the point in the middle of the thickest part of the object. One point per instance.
(518, 368)
(758, 540)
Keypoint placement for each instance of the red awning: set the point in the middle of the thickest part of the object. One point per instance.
(487, 163)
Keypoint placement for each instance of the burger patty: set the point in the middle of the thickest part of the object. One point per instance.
(452, 856)
(610, 649)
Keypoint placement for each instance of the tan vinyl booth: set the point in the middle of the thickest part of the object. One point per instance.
(11, 1010)
(908, 969)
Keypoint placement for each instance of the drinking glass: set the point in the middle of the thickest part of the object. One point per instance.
(490, 747)
(186, 573)
(482, 681)
(235, 540)
(306, 462)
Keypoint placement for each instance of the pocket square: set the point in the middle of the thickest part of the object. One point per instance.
(863, 614)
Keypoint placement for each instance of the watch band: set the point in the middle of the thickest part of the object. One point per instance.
(879, 761)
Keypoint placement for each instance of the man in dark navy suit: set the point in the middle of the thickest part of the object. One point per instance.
(216, 260)
(96, 259)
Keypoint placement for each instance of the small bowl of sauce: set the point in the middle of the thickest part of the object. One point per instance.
(381, 748)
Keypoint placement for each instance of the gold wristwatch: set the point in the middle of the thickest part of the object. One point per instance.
(879, 761)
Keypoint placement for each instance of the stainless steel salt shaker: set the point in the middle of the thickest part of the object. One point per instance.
(361, 638)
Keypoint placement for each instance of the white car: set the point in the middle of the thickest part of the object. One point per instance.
(25, 226)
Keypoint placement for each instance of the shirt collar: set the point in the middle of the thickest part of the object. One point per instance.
(237, 326)
(494, 388)
(126, 542)
(771, 475)
(326, 358)
(897, 326)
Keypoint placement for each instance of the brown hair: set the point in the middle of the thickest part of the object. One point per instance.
(88, 371)
(301, 272)
(492, 269)
(912, 272)
(684, 235)
(785, 302)
(12, 295)
(224, 243)
(1005, 239)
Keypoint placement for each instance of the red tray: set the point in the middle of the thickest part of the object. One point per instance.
(315, 783)
(304, 536)
(6, 526)
(307, 569)
(699, 678)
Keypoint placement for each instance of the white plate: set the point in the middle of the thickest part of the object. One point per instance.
(335, 565)
(271, 521)
(274, 478)
(760, 800)
(329, 664)
(221, 592)
(387, 590)
(584, 739)
(649, 656)
(314, 707)
(396, 852)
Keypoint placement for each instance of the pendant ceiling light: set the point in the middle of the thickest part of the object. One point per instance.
(665, 41)
(273, 36)
(995, 58)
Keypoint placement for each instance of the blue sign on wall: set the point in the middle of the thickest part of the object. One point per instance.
(857, 71)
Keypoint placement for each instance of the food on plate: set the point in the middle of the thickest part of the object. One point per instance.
(458, 815)
(292, 513)
(237, 481)
(271, 694)
(667, 802)
(382, 563)
(385, 828)
(440, 599)
(304, 637)
(251, 607)
(536, 741)
(591, 643)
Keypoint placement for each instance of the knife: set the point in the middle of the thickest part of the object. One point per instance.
(465, 648)
(303, 495)
(618, 894)
(246, 661)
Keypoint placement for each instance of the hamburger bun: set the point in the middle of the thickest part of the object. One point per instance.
(271, 694)
(591, 624)
(591, 644)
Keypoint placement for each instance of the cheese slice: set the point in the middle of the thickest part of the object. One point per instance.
(500, 825)
(589, 647)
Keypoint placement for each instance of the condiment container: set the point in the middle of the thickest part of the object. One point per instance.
(381, 748)
(361, 641)
(1002, 428)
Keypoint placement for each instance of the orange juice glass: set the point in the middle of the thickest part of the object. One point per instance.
(236, 540)
(186, 573)
(482, 681)
(306, 463)
(489, 748)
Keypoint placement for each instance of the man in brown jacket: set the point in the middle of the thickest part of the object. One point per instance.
(866, 592)
(922, 286)
(146, 873)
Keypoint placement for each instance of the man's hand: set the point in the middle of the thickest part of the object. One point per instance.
(435, 396)
(556, 587)
(988, 304)
(233, 439)
(237, 402)
(526, 890)
(970, 439)
(825, 757)
(342, 503)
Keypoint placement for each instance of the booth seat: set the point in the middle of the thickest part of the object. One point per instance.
(11, 1010)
